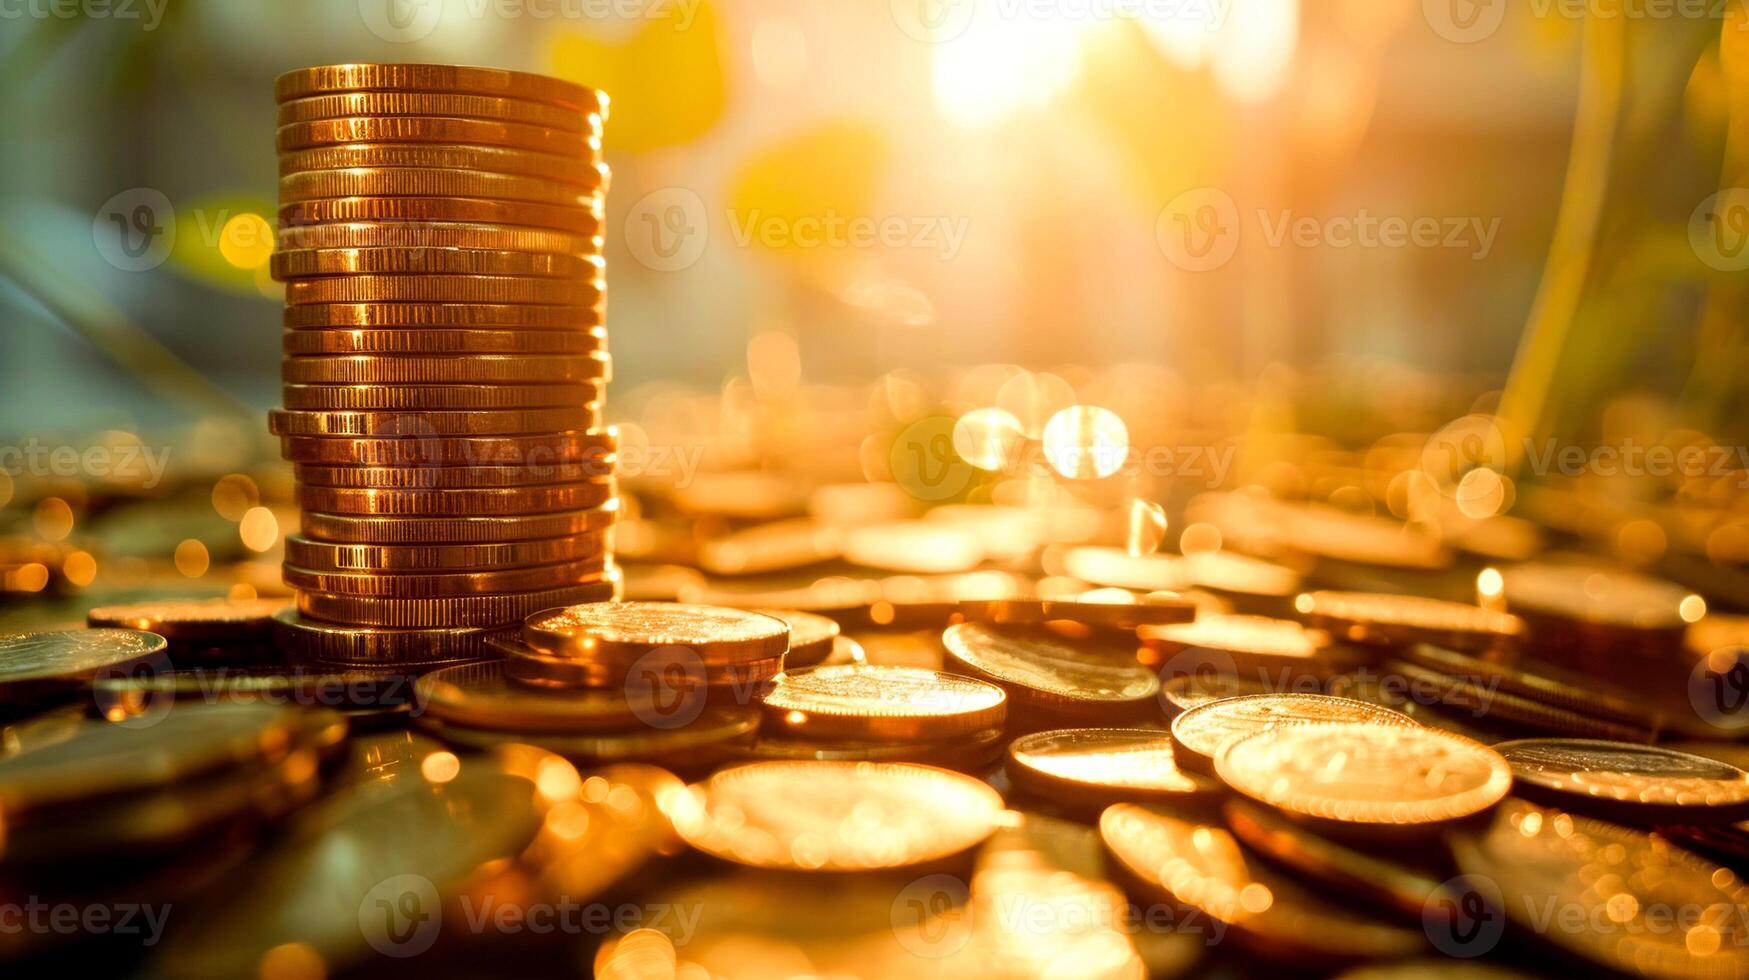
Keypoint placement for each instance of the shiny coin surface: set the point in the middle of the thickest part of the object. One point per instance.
(1638, 783)
(419, 260)
(422, 585)
(518, 422)
(1179, 694)
(448, 477)
(811, 637)
(395, 398)
(1376, 617)
(440, 316)
(324, 556)
(1231, 642)
(1367, 776)
(1482, 697)
(314, 640)
(1153, 609)
(193, 620)
(419, 182)
(1101, 766)
(581, 340)
(463, 79)
(969, 753)
(673, 669)
(339, 104)
(477, 502)
(1593, 595)
(493, 159)
(1204, 730)
(435, 129)
(621, 632)
(455, 530)
(836, 816)
(865, 701)
(1545, 683)
(480, 695)
(1044, 672)
(576, 221)
(463, 369)
(700, 743)
(472, 610)
(442, 289)
(31, 663)
(415, 449)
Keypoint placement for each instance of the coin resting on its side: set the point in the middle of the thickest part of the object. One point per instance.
(1651, 783)
(1100, 766)
(1202, 731)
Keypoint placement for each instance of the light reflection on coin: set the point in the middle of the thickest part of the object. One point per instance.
(880, 702)
(193, 620)
(30, 662)
(1369, 617)
(1204, 730)
(1047, 673)
(811, 636)
(1099, 766)
(482, 696)
(624, 631)
(1628, 780)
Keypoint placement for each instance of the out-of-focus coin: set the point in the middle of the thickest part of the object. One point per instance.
(419, 182)
(341, 104)
(1043, 672)
(1096, 767)
(622, 632)
(324, 556)
(297, 263)
(1541, 682)
(448, 477)
(836, 816)
(275, 683)
(435, 129)
(1145, 611)
(701, 743)
(1634, 783)
(494, 159)
(1596, 596)
(471, 610)
(1670, 912)
(671, 670)
(542, 499)
(1201, 732)
(1199, 864)
(463, 79)
(456, 530)
(811, 637)
(443, 289)
(864, 701)
(481, 696)
(770, 547)
(348, 210)
(393, 398)
(425, 585)
(970, 753)
(1220, 571)
(1435, 969)
(1383, 618)
(314, 640)
(463, 369)
(1367, 776)
(32, 664)
(193, 620)
(1248, 644)
(581, 340)
(427, 450)
(440, 316)
(516, 422)
(1494, 702)
(1180, 694)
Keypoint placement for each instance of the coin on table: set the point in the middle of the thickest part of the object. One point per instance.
(700, 744)
(439, 398)
(311, 639)
(466, 106)
(1113, 608)
(1633, 783)
(1383, 618)
(1101, 766)
(349, 210)
(443, 289)
(340, 528)
(284, 423)
(1201, 732)
(435, 129)
(417, 340)
(864, 701)
(421, 182)
(811, 636)
(1199, 864)
(456, 369)
(1668, 912)
(1596, 596)
(1485, 697)
(322, 556)
(500, 610)
(1229, 643)
(673, 670)
(967, 753)
(836, 816)
(449, 477)
(193, 620)
(1221, 572)
(473, 502)
(621, 632)
(1367, 776)
(349, 689)
(1044, 672)
(439, 316)
(36, 663)
(1180, 694)
(462, 79)
(433, 585)
(1521, 674)
(481, 696)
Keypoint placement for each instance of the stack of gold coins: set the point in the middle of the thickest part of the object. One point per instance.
(445, 357)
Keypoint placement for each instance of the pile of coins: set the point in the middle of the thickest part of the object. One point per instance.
(445, 357)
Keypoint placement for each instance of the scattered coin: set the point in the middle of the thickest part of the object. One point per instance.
(1244, 643)
(1095, 767)
(34, 664)
(811, 637)
(1484, 698)
(481, 696)
(465, 80)
(1633, 783)
(864, 701)
(1395, 620)
(1045, 673)
(1148, 611)
(621, 632)
(1203, 731)
(193, 620)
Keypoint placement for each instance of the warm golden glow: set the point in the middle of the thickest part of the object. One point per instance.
(259, 529)
(191, 558)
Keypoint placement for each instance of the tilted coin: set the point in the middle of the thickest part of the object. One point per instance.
(340, 104)
(36, 663)
(836, 816)
(1383, 618)
(481, 696)
(1232, 642)
(435, 129)
(969, 753)
(1148, 610)
(444, 289)
(454, 369)
(865, 701)
(1594, 595)
(472, 610)
(409, 233)
(700, 743)
(193, 620)
(463, 79)
(623, 631)
(419, 182)
(314, 640)
(1095, 767)
(455, 530)
(1221, 571)
(1367, 776)
(493, 159)
(687, 677)
(323, 556)
(439, 398)
(448, 477)
(284, 423)
(1199, 864)
(1522, 674)
(301, 262)
(275, 683)
(1044, 672)
(424, 585)
(347, 210)
(1204, 730)
(541, 499)
(1662, 911)
(1485, 697)
(811, 637)
(1179, 694)
(1633, 783)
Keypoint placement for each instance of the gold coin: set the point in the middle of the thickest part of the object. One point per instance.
(811, 637)
(1096, 767)
(490, 159)
(1662, 910)
(419, 210)
(622, 632)
(432, 585)
(1199, 864)
(439, 235)
(342, 104)
(443, 289)
(530, 666)
(44, 662)
(448, 477)
(1384, 618)
(1186, 691)
(970, 753)
(322, 556)
(1203, 731)
(1044, 672)
(866, 701)
(314, 640)
(284, 423)
(436, 129)
(462, 79)
(273, 683)
(768, 547)
(471, 610)
(586, 340)
(301, 262)
(456, 503)
(1521, 674)
(479, 695)
(1483, 698)
(1367, 776)
(1595, 596)
(836, 816)
(456, 530)
(316, 185)
(1638, 783)
(699, 744)
(438, 398)
(453, 369)
(1220, 571)
(1136, 611)
(441, 316)
(1246, 643)
(593, 448)
(193, 620)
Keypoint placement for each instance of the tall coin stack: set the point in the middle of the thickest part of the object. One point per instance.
(445, 358)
